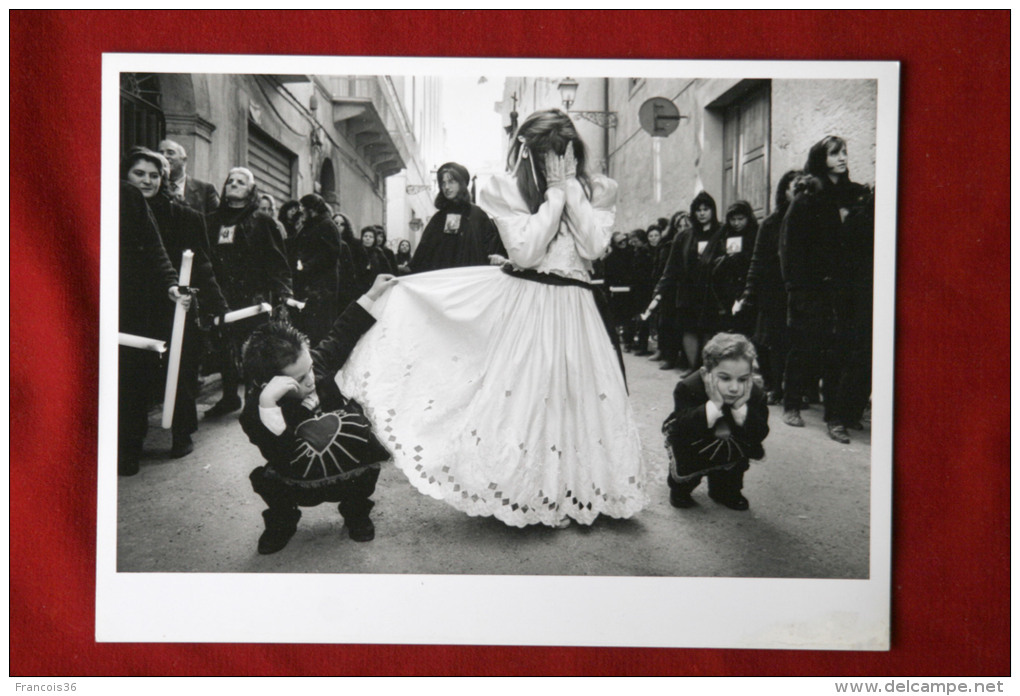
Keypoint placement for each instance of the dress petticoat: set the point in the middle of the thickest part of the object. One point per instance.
(500, 395)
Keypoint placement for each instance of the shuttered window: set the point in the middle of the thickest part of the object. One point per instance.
(746, 135)
(271, 163)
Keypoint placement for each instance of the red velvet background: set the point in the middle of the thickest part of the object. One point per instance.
(951, 583)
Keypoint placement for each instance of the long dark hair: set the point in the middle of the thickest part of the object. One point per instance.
(461, 175)
(316, 204)
(782, 200)
(542, 132)
(819, 152)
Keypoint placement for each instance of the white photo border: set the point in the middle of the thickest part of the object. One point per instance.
(503, 610)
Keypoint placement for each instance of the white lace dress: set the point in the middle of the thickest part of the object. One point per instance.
(501, 395)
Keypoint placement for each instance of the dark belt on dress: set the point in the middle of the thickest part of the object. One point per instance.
(601, 303)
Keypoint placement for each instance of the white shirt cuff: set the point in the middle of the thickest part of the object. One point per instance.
(367, 304)
(272, 418)
(739, 414)
(712, 413)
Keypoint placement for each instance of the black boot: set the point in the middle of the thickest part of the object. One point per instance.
(280, 527)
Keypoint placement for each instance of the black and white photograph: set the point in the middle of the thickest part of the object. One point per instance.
(492, 351)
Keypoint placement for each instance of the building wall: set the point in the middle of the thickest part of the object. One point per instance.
(209, 114)
(691, 158)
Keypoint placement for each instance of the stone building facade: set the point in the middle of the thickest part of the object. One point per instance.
(734, 137)
(355, 140)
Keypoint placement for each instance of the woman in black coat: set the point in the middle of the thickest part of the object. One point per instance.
(314, 264)
(182, 228)
(670, 331)
(688, 270)
(376, 263)
(353, 261)
(460, 233)
(765, 294)
(824, 245)
(731, 257)
(146, 280)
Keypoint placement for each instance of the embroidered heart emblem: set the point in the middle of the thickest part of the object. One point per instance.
(319, 432)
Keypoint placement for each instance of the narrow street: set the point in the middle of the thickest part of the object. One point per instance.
(809, 515)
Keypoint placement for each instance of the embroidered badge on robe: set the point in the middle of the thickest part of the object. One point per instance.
(332, 444)
(452, 225)
(226, 234)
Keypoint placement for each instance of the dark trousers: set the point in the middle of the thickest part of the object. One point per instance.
(137, 370)
(669, 331)
(819, 345)
(722, 483)
(773, 347)
(283, 500)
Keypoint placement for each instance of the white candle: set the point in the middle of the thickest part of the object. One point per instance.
(176, 340)
(132, 341)
(254, 310)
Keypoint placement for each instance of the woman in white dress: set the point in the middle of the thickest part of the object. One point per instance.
(499, 390)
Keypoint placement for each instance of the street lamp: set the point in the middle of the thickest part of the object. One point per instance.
(568, 93)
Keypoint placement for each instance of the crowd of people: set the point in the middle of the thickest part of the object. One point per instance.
(507, 328)
(799, 284)
(301, 258)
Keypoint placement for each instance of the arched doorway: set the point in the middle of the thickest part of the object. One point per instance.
(327, 183)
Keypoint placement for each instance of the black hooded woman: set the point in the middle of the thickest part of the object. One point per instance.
(251, 266)
(181, 228)
(687, 274)
(764, 292)
(314, 254)
(670, 331)
(460, 233)
(731, 257)
(825, 251)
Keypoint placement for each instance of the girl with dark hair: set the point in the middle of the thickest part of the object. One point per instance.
(460, 233)
(403, 257)
(146, 279)
(731, 250)
(687, 270)
(765, 294)
(665, 293)
(375, 262)
(353, 261)
(825, 251)
(290, 218)
(380, 244)
(511, 401)
(314, 263)
(180, 228)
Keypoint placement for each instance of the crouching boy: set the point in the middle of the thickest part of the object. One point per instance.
(719, 421)
(318, 444)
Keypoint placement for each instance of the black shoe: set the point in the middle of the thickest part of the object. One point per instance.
(733, 502)
(278, 532)
(642, 352)
(838, 433)
(182, 446)
(855, 425)
(681, 499)
(658, 357)
(273, 540)
(773, 398)
(668, 365)
(360, 529)
(223, 407)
